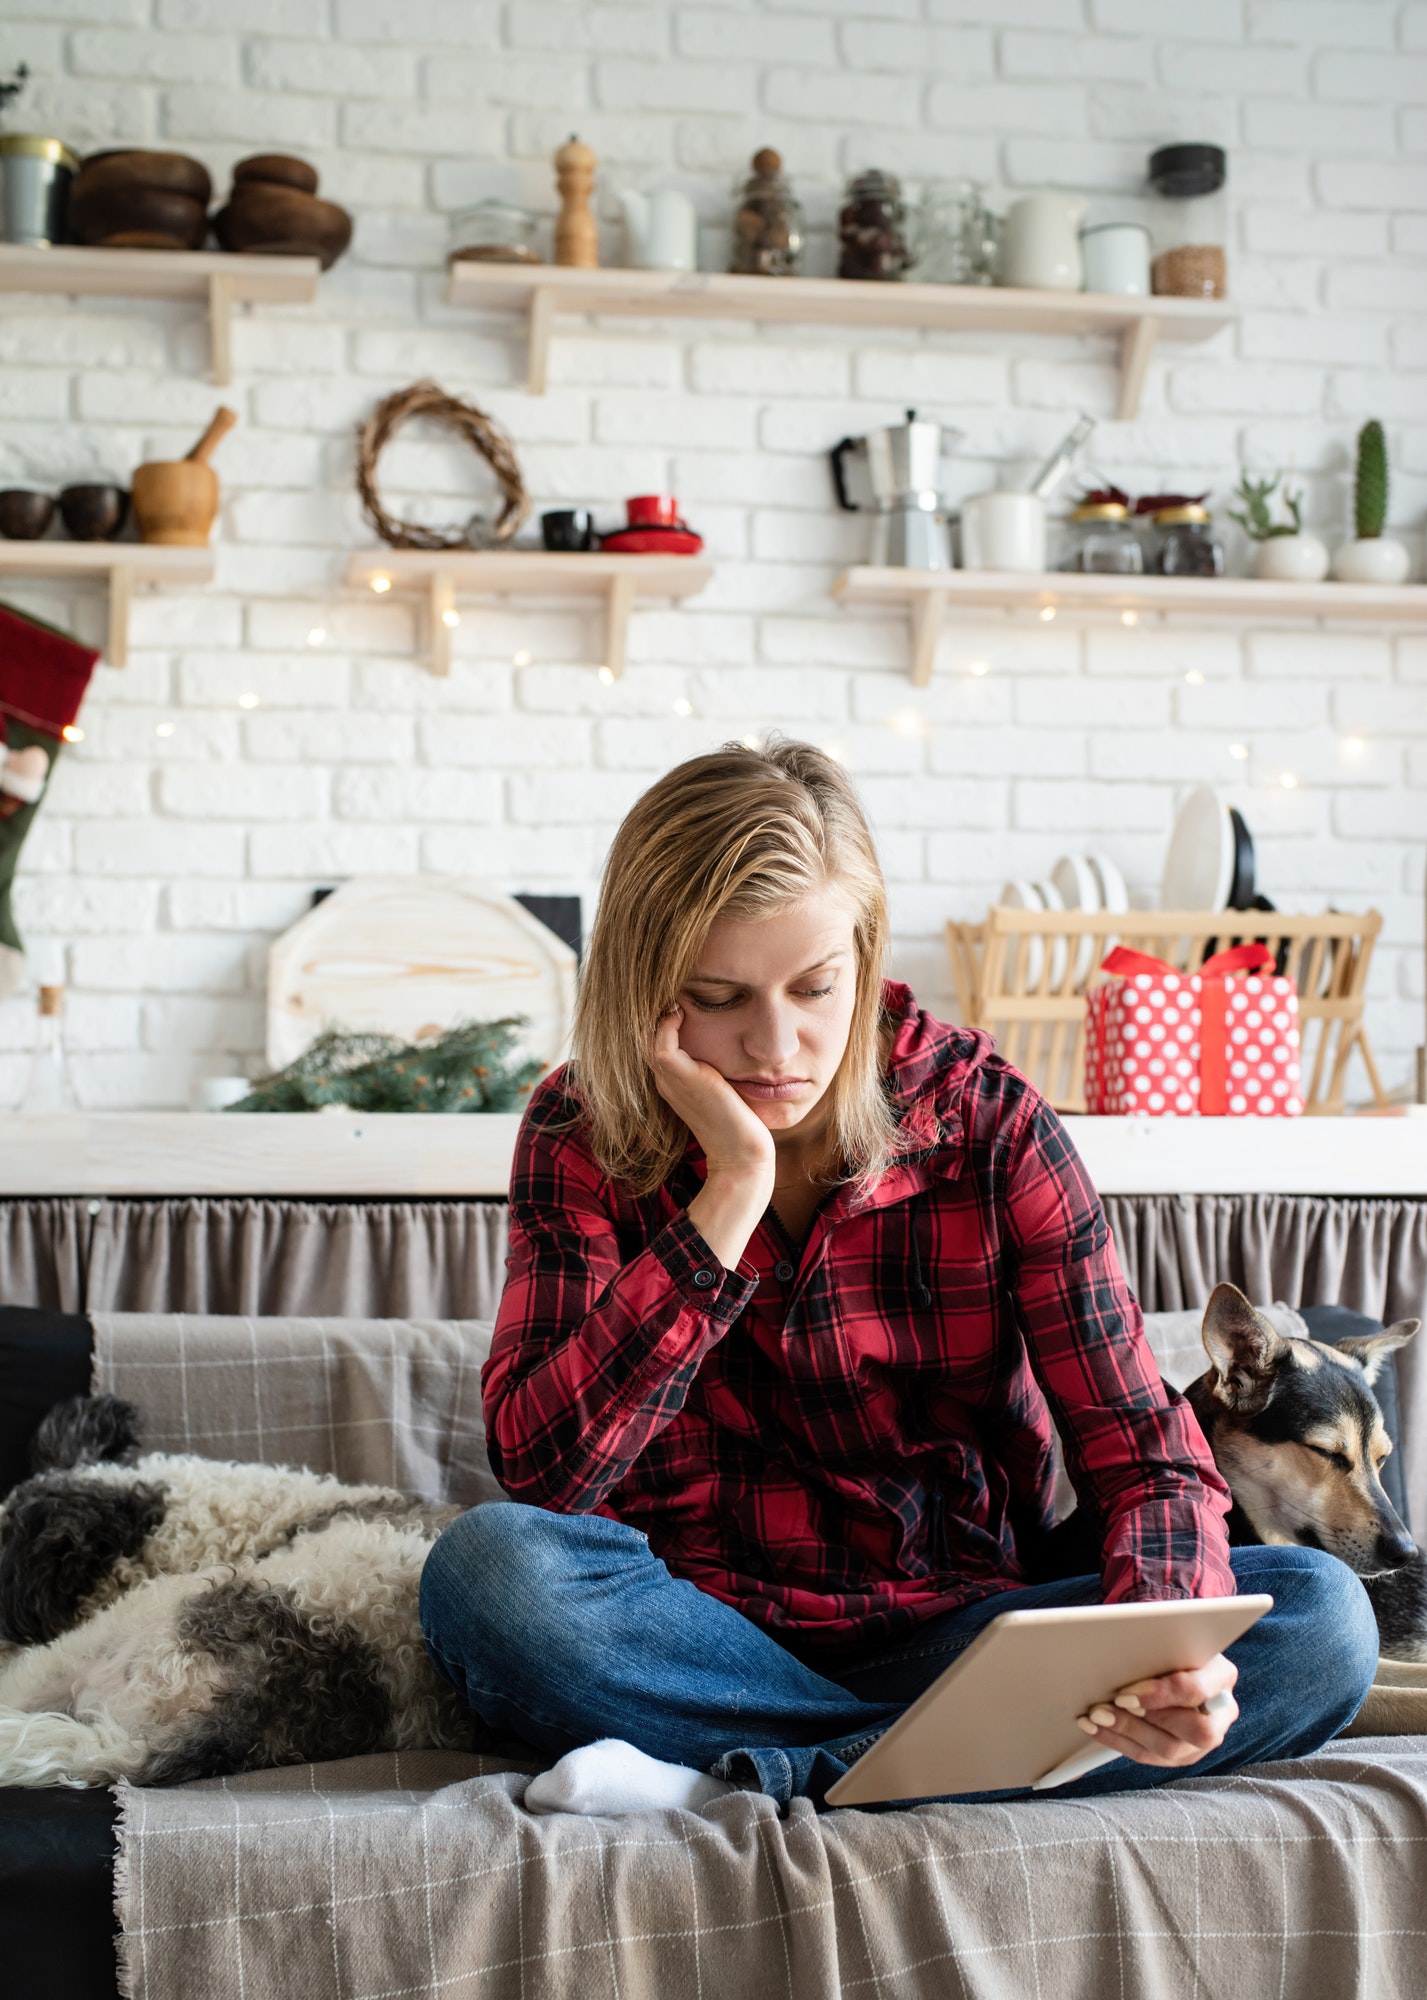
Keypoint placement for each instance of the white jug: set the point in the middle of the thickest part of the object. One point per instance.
(1040, 248)
(662, 228)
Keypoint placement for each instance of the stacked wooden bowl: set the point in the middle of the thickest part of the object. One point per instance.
(274, 211)
(128, 199)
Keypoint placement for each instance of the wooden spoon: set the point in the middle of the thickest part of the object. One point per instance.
(223, 421)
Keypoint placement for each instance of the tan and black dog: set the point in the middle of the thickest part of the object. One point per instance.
(1296, 1430)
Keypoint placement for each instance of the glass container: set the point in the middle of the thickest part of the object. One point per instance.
(872, 228)
(955, 237)
(495, 232)
(768, 231)
(1190, 223)
(1102, 540)
(1184, 544)
(48, 1087)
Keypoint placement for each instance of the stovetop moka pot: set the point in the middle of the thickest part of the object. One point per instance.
(903, 469)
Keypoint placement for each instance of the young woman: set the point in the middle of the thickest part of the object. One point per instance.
(801, 1282)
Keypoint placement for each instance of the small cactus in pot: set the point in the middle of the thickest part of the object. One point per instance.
(1283, 551)
(1371, 557)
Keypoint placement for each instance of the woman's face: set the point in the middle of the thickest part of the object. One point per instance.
(769, 1005)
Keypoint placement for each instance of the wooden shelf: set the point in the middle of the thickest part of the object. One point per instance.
(128, 1153)
(543, 290)
(222, 281)
(444, 575)
(929, 595)
(122, 566)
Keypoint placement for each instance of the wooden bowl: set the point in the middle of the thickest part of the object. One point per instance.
(176, 502)
(269, 221)
(24, 514)
(136, 217)
(276, 170)
(126, 167)
(93, 513)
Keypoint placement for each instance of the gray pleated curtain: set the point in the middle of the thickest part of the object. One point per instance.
(242, 1254)
(445, 1260)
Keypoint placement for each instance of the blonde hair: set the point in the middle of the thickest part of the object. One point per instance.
(742, 834)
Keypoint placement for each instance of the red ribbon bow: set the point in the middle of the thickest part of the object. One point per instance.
(1213, 1008)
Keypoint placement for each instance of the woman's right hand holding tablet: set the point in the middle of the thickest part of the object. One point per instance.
(737, 1145)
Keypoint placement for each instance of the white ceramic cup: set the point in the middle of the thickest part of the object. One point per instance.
(1003, 531)
(1117, 258)
(1040, 247)
(216, 1093)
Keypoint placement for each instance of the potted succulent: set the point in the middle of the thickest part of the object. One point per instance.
(1372, 557)
(1283, 552)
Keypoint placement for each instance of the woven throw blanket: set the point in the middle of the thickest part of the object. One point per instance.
(423, 1876)
(384, 1401)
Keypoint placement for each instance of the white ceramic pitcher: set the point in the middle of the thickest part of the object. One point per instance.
(1040, 248)
(662, 229)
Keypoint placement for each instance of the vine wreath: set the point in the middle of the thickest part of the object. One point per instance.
(482, 434)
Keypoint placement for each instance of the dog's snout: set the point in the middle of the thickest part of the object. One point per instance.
(1396, 1547)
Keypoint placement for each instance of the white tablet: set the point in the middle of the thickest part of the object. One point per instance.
(1003, 1714)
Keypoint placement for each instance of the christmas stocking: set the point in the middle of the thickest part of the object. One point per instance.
(43, 675)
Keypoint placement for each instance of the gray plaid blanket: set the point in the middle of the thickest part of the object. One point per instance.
(394, 1402)
(423, 1876)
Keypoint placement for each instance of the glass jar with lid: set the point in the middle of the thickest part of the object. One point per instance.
(768, 232)
(1184, 542)
(872, 228)
(1190, 223)
(495, 232)
(1101, 537)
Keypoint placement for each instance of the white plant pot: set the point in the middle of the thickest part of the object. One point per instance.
(1291, 559)
(1378, 559)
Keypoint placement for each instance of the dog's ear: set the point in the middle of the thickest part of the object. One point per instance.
(1243, 1346)
(86, 1430)
(1372, 1349)
(60, 1538)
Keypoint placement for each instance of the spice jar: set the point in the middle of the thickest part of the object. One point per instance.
(872, 228)
(1102, 540)
(1183, 542)
(768, 223)
(1190, 223)
(495, 232)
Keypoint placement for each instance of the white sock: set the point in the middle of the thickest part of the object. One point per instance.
(614, 1777)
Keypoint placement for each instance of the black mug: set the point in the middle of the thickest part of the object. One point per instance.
(569, 529)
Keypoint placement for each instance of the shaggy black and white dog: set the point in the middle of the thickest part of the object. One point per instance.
(170, 1617)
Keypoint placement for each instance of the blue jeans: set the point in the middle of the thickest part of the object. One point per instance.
(565, 1628)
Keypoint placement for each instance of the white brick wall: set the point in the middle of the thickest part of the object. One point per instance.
(164, 863)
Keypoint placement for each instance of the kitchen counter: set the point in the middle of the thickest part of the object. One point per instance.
(352, 1155)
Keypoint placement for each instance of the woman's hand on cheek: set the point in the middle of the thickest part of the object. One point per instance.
(734, 1138)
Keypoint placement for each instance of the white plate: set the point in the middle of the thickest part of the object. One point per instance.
(1051, 899)
(1024, 895)
(1079, 888)
(1199, 867)
(1114, 895)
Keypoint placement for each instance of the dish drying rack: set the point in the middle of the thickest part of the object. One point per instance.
(1022, 975)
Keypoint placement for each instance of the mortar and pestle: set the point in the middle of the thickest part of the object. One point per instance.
(176, 500)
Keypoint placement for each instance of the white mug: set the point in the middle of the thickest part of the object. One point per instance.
(1003, 531)
(216, 1093)
(1117, 258)
(1040, 247)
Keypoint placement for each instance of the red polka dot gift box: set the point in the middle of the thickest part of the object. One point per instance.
(1220, 1042)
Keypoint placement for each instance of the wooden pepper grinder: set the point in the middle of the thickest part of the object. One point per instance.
(577, 238)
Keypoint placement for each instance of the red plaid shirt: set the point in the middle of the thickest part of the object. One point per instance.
(845, 1440)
